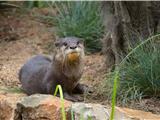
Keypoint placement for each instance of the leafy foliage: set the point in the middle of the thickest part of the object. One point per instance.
(80, 19)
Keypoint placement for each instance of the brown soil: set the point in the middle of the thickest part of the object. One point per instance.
(22, 36)
(32, 37)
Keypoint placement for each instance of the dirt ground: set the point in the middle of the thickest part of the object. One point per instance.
(22, 36)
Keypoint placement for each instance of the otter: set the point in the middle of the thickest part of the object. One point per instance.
(41, 74)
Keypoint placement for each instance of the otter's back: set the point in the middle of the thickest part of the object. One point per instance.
(32, 73)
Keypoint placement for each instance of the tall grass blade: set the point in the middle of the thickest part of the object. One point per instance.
(58, 87)
(72, 115)
(116, 77)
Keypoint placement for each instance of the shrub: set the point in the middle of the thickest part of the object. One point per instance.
(80, 19)
(139, 73)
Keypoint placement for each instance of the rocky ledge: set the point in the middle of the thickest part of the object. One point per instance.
(18, 106)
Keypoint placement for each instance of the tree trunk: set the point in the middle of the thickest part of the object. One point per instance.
(127, 23)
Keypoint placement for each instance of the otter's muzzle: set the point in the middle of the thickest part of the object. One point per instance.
(73, 56)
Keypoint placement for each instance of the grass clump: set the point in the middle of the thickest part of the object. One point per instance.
(81, 19)
(139, 73)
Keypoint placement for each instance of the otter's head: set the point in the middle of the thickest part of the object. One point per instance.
(69, 50)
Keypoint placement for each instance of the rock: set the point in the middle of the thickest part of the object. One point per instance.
(18, 106)
(15, 105)
(8, 104)
(89, 111)
(40, 107)
(99, 112)
(130, 114)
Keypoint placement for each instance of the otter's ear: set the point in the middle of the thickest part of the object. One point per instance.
(81, 40)
(57, 44)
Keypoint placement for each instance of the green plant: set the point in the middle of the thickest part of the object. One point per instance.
(58, 87)
(116, 77)
(32, 4)
(138, 74)
(72, 115)
(80, 19)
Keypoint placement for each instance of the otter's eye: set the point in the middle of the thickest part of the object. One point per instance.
(78, 42)
(65, 44)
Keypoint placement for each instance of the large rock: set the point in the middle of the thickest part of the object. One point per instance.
(8, 101)
(40, 107)
(89, 111)
(130, 114)
(99, 112)
(18, 106)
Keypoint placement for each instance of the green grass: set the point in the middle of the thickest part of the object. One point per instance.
(32, 4)
(116, 77)
(72, 115)
(138, 74)
(58, 87)
(77, 18)
(81, 19)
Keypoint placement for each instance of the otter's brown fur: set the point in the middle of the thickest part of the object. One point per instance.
(41, 74)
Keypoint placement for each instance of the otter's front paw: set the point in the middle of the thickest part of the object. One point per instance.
(81, 88)
(72, 98)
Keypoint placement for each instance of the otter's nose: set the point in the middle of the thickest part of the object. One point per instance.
(73, 47)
